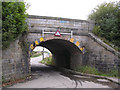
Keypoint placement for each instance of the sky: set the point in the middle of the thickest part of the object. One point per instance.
(74, 9)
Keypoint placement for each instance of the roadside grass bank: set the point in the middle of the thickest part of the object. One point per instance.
(35, 54)
(93, 70)
(47, 60)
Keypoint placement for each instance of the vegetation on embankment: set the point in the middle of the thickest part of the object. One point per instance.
(107, 20)
(47, 60)
(13, 21)
(35, 54)
(93, 70)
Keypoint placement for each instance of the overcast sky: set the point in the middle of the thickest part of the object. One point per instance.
(75, 9)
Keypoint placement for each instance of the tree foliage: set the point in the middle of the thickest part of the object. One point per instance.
(13, 21)
(107, 18)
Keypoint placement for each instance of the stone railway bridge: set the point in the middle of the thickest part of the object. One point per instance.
(75, 47)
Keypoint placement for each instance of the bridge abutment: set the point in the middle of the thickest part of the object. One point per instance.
(16, 61)
(98, 54)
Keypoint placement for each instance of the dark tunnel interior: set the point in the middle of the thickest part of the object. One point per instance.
(64, 53)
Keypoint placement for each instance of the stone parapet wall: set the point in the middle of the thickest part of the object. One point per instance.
(49, 23)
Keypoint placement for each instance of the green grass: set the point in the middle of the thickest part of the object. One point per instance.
(93, 70)
(112, 73)
(47, 60)
(36, 55)
(87, 69)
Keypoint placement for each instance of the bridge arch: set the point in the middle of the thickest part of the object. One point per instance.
(65, 53)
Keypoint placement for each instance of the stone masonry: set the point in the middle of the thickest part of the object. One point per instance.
(98, 54)
(15, 61)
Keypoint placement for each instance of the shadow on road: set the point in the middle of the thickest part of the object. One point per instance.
(42, 69)
(49, 69)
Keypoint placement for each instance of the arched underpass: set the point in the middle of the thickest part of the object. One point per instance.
(65, 54)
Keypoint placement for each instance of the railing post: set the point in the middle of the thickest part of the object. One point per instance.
(71, 34)
(43, 33)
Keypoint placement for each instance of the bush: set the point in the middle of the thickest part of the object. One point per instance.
(107, 18)
(47, 60)
(13, 21)
(35, 54)
(96, 30)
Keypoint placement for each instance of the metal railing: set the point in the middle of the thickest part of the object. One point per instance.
(43, 32)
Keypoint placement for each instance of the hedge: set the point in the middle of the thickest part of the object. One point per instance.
(107, 18)
(13, 21)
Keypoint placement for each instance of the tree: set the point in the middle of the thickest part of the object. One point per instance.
(107, 18)
(13, 21)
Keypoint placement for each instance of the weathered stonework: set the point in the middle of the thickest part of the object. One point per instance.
(39, 23)
(98, 54)
(103, 57)
(15, 61)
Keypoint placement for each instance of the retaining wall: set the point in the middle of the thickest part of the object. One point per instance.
(98, 54)
(15, 61)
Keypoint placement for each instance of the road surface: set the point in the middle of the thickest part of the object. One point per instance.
(36, 60)
(48, 77)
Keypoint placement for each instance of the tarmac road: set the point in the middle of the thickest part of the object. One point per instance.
(44, 76)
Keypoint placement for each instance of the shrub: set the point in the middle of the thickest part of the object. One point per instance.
(107, 19)
(13, 21)
(96, 30)
(47, 60)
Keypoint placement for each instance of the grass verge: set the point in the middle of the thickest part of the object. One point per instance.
(93, 70)
(36, 55)
(47, 60)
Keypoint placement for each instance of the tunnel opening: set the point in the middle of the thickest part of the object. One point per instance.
(39, 54)
(64, 53)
